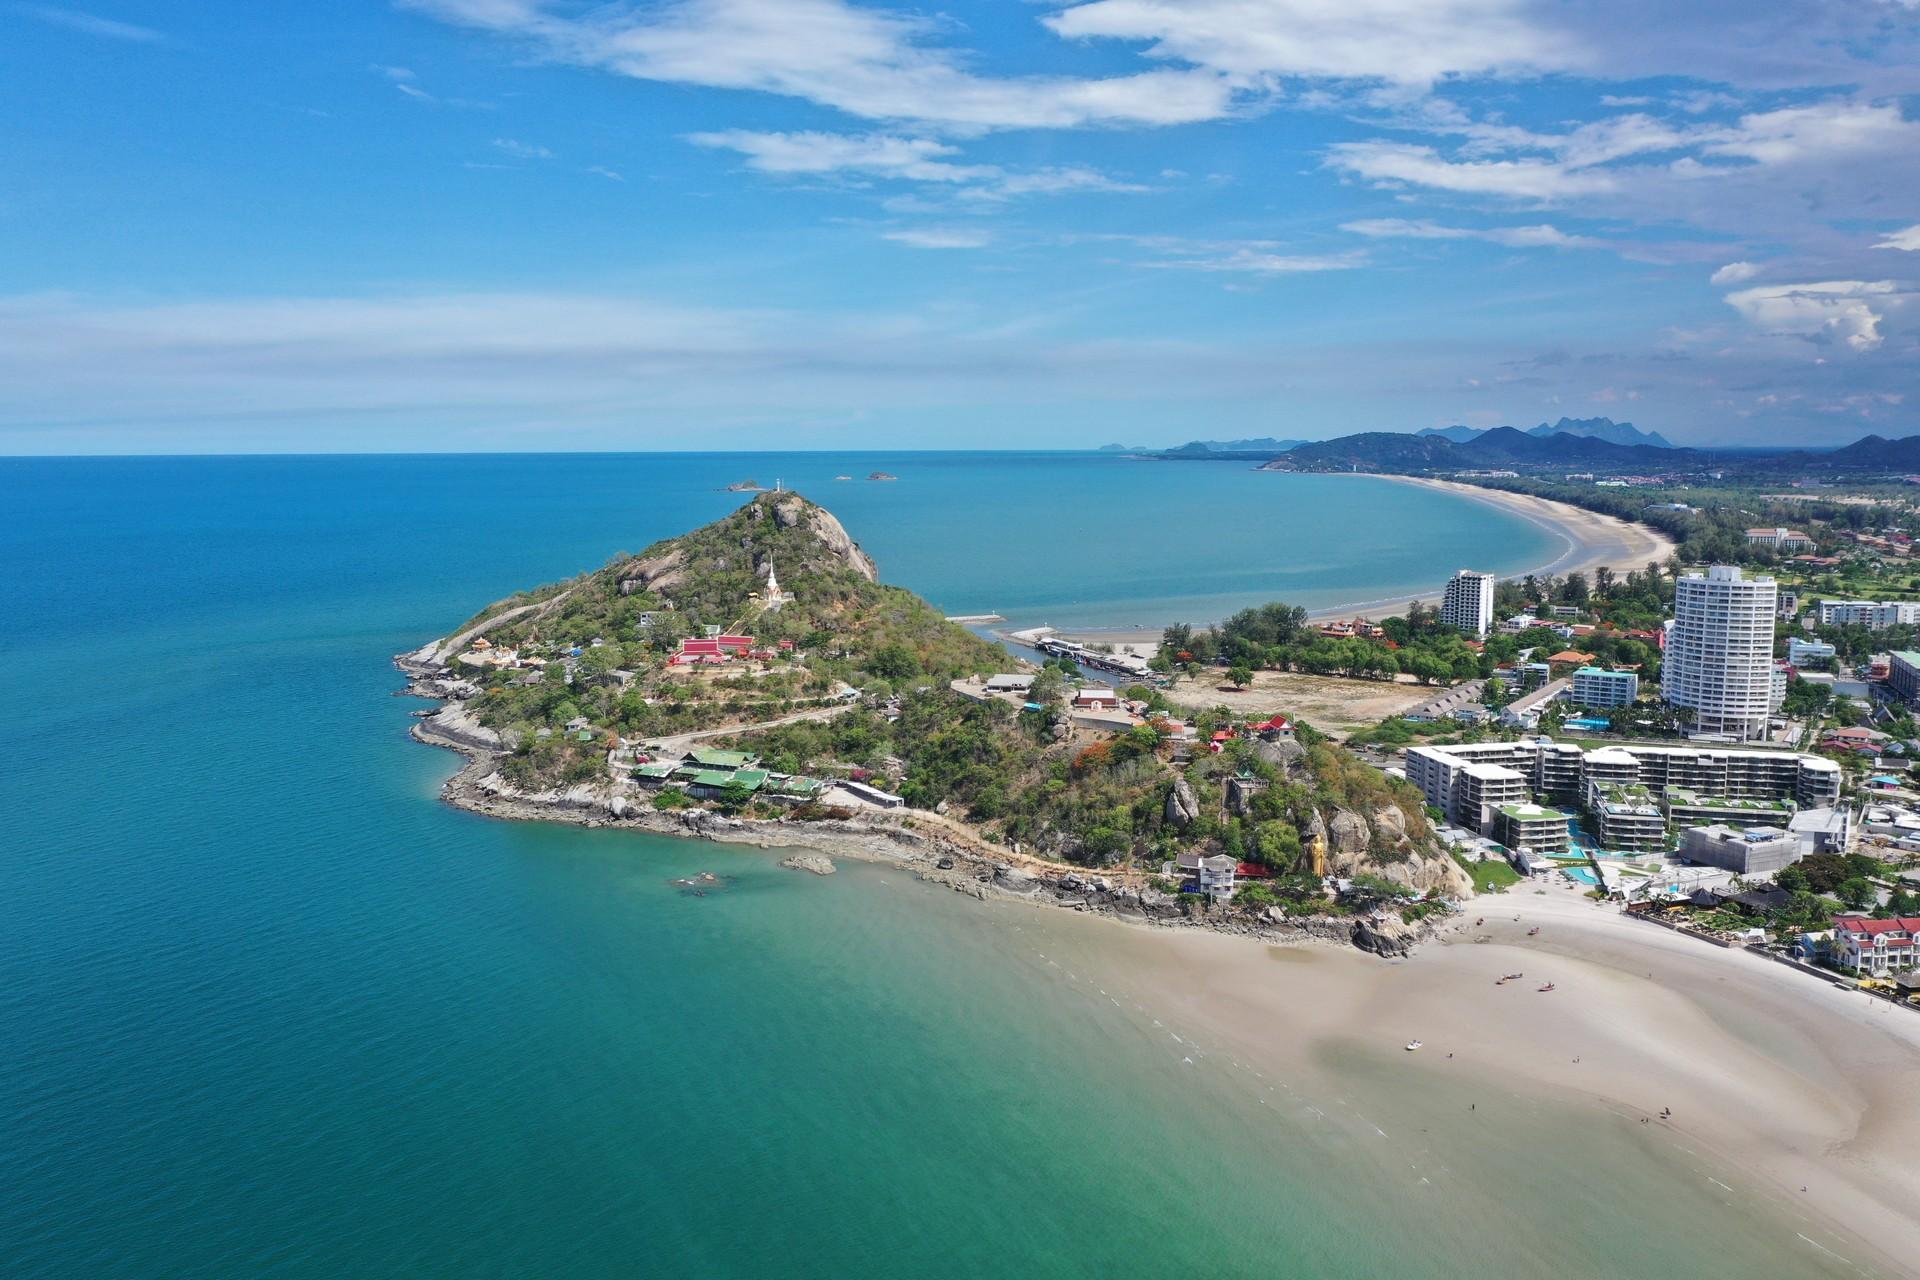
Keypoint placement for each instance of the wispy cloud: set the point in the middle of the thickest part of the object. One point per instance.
(93, 24)
(1243, 257)
(601, 171)
(900, 158)
(1539, 236)
(939, 237)
(1909, 240)
(521, 150)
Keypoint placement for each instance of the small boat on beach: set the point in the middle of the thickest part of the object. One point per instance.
(1547, 987)
(1413, 1044)
(1534, 932)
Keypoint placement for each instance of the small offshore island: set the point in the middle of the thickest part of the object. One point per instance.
(754, 681)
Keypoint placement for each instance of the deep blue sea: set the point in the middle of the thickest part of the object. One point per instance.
(268, 1008)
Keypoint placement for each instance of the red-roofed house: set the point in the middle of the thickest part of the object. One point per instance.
(1253, 871)
(1875, 946)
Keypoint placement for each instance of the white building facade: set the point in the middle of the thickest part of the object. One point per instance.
(1468, 602)
(1719, 653)
(1874, 614)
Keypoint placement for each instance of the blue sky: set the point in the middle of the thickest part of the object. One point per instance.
(535, 224)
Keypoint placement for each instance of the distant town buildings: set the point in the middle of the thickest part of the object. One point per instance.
(1468, 602)
(1874, 614)
(1779, 539)
(1719, 651)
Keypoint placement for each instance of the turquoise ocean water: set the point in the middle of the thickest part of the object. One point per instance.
(267, 1008)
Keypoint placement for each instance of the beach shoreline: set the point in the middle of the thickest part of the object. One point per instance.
(1786, 1093)
(1796, 1090)
(1588, 541)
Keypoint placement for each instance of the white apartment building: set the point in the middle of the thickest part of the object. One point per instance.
(1468, 602)
(1593, 687)
(1875, 614)
(1631, 788)
(1719, 655)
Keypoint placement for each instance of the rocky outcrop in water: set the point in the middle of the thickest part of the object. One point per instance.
(817, 863)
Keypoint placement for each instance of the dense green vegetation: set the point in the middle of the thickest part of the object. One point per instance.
(601, 642)
(1026, 783)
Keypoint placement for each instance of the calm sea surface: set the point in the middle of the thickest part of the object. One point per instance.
(267, 1008)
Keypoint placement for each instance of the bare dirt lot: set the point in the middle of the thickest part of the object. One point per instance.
(1331, 704)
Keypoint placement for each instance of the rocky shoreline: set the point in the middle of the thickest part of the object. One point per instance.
(932, 854)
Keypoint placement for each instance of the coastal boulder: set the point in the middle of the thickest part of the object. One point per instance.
(1386, 936)
(1012, 879)
(1348, 836)
(1282, 754)
(816, 863)
(1183, 807)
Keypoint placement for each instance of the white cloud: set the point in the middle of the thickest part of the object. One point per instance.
(92, 24)
(1908, 239)
(1541, 236)
(1422, 166)
(1414, 42)
(391, 73)
(897, 157)
(1251, 257)
(601, 171)
(522, 150)
(921, 159)
(1734, 273)
(939, 238)
(1842, 310)
(872, 63)
(1819, 130)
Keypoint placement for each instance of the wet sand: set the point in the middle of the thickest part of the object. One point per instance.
(1777, 1080)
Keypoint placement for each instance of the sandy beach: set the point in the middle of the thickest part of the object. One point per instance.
(1590, 539)
(1587, 539)
(1790, 1097)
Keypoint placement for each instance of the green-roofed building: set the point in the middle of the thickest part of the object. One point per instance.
(795, 785)
(707, 758)
(654, 775)
(712, 783)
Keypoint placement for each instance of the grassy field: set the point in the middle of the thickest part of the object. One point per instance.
(1488, 877)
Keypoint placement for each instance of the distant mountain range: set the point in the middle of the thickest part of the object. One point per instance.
(1623, 433)
(1497, 447)
(1878, 451)
(1256, 444)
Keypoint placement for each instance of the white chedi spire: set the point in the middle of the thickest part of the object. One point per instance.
(773, 595)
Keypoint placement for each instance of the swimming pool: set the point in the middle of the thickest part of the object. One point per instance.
(1583, 874)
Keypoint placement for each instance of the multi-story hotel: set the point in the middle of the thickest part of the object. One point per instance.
(1594, 687)
(1719, 652)
(1468, 602)
(1635, 793)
